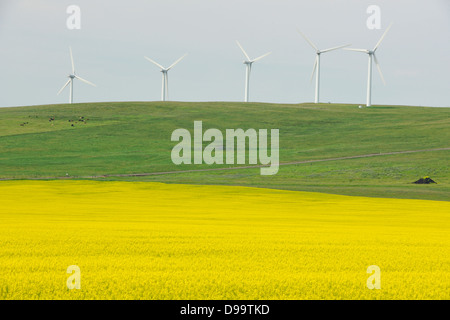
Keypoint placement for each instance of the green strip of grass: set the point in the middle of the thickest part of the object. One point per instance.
(134, 137)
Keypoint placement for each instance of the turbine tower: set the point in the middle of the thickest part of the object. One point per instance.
(372, 56)
(165, 77)
(248, 64)
(317, 63)
(71, 77)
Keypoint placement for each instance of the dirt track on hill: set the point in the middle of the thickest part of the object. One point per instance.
(231, 168)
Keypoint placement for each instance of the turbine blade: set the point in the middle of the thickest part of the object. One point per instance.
(309, 41)
(85, 81)
(63, 87)
(173, 64)
(335, 48)
(314, 69)
(156, 63)
(358, 50)
(382, 37)
(245, 53)
(260, 57)
(71, 59)
(379, 69)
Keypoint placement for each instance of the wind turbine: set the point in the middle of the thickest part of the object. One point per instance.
(248, 64)
(317, 63)
(371, 54)
(165, 77)
(71, 77)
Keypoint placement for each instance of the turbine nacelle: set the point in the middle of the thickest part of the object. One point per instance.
(317, 62)
(248, 64)
(71, 77)
(165, 78)
(373, 56)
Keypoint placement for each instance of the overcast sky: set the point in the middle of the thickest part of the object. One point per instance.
(115, 36)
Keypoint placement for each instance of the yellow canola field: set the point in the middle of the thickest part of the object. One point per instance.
(158, 241)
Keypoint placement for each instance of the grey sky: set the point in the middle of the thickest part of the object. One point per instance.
(115, 35)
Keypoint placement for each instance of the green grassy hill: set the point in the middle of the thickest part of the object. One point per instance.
(134, 137)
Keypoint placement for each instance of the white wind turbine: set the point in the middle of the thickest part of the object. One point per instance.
(371, 54)
(71, 77)
(317, 63)
(248, 63)
(165, 77)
